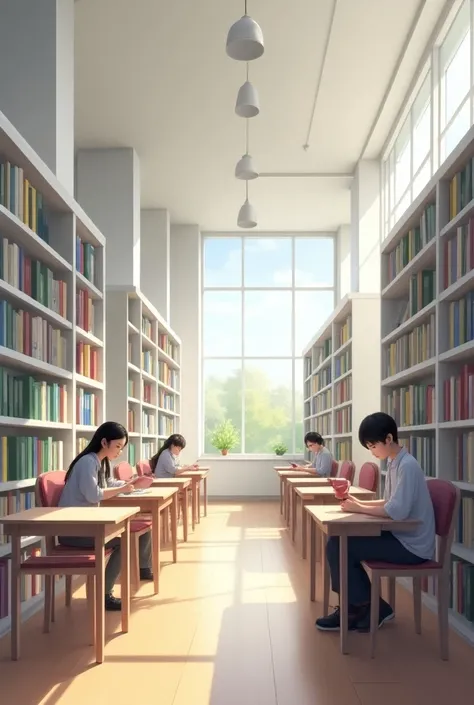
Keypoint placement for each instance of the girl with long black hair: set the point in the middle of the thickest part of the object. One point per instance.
(88, 482)
(165, 462)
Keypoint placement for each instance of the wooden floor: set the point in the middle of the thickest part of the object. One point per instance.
(233, 625)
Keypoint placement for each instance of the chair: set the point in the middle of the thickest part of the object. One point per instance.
(144, 468)
(347, 470)
(123, 471)
(369, 475)
(334, 468)
(446, 498)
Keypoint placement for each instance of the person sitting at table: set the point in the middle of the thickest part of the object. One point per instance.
(323, 459)
(165, 463)
(406, 496)
(88, 482)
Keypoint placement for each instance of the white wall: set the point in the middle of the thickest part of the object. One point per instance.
(365, 227)
(155, 258)
(237, 477)
(343, 263)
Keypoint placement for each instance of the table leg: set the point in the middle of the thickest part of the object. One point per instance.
(325, 573)
(156, 540)
(15, 596)
(174, 527)
(125, 575)
(281, 496)
(294, 508)
(312, 561)
(343, 603)
(288, 507)
(205, 496)
(185, 499)
(304, 530)
(198, 501)
(193, 502)
(100, 599)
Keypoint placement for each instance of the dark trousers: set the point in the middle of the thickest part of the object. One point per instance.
(112, 569)
(365, 548)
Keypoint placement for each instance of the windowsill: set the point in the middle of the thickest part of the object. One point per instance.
(249, 456)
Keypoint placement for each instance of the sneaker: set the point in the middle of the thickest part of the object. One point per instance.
(146, 574)
(385, 615)
(332, 623)
(112, 604)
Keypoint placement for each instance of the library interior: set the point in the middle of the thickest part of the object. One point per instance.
(236, 352)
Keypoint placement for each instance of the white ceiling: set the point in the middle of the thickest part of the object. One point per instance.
(154, 75)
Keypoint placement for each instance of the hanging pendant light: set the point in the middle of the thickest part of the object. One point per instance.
(245, 39)
(247, 104)
(247, 217)
(245, 168)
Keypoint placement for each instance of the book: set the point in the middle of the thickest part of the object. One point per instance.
(26, 457)
(343, 420)
(422, 290)
(148, 362)
(132, 454)
(465, 524)
(147, 393)
(343, 450)
(131, 420)
(343, 391)
(149, 423)
(464, 457)
(417, 346)
(458, 254)
(85, 260)
(323, 425)
(147, 328)
(344, 334)
(31, 335)
(166, 426)
(87, 408)
(21, 198)
(87, 360)
(85, 311)
(166, 400)
(458, 395)
(461, 189)
(411, 243)
(321, 380)
(423, 448)
(461, 320)
(412, 405)
(322, 402)
(167, 346)
(342, 364)
(26, 397)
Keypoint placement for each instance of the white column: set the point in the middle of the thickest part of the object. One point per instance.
(108, 188)
(343, 255)
(37, 78)
(365, 227)
(155, 258)
(186, 321)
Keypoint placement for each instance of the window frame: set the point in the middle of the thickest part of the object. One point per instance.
(294, 357)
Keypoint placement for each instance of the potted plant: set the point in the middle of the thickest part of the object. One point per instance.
(280, 449)
(225, 437)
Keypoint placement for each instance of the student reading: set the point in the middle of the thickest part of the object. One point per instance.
(406, 497)
(88, 482)
(165, 463)
(323, 459)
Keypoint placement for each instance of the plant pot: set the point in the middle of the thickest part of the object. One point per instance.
(224, 451)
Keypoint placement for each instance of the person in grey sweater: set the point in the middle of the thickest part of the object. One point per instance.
(88, 482)
(165, 463)
(322, 462)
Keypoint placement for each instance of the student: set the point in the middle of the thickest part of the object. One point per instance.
(165, 463)
(406, 497)
(323, 459)
(88, 482)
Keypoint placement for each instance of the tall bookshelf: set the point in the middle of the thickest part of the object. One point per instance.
(428, 348)
(143, 371)
(52, 333)
(342, 375)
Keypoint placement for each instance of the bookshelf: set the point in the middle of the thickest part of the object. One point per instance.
(52, 333)
(342, 375)
(143, 371)
(428, 348)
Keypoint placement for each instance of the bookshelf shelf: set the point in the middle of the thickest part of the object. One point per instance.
(342, 387)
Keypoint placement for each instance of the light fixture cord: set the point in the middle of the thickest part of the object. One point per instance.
(247, 136)
(245, 5)
(246, 190)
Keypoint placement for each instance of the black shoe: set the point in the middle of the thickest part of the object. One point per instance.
(332, 623)
(385, 615)
(146, 574)
(112, 604)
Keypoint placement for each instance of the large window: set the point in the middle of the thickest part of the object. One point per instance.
(264, 297)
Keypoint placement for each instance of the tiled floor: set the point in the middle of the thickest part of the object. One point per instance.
(233, 625)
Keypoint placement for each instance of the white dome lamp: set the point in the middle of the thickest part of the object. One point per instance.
(248, 103)
(247, 217)
(245, 39)
(245, 169)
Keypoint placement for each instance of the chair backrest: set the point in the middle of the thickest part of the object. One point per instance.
(49, 487)
(446, 499)
(143, 468)
(347, 470)
(334, 468)
(123, 471)
(369, 475)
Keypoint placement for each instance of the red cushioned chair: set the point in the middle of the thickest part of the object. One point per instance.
(446, 498)
(144, 468)
(369, 475)
(347, 470)
(334, 468)
(124, 471)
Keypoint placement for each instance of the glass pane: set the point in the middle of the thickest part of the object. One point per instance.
(268, 405)
(314, 261)
(299, 432)
(402, 206)
(422, 178)
(457, 79)
(222, 324)
(456, 131)
(267, 261)
(312, 308)
(267, 324)
(222, 398)
(421, 113)
(402, 160)
(223, 261)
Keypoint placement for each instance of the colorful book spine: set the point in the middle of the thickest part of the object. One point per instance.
(342, 364)
(462, 588)
(30, 585)
(148, 423)
(148, 362)
(461, 189)
(131, 388)
(12, 502)
(417, 346)
(423, 448)
(147, 327)
(166, 401)
(323, 425)
(131, 421)
(19, 197)
(412, 243)
(165, 426)
(343, 450)
(458, 254)
(322, 402)
(464, 458)
(85, 312)
(147, 393)
(343, 420)
(422, 290)
(308, 367)
(167, 375)
(85, 260)
(461, 320)
(132, 454)
(343, 391)
(465, 524)
(31, 335)
(87, 360)
(87, 408)
(345, 333)
(81, 444)
(321, 380)
(148, 449)
(458, 395)
(26, 457)
(413, 405)
(25, 397)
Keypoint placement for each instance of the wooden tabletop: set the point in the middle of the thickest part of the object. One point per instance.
(153, 493)
(295, 473)
(194, 473)
(279, 468)
(179, 482)
(305, 480)
(332, 519)
(74, 515)
(327, 491)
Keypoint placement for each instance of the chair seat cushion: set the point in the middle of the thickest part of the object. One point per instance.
(402, 568)
(57, 562)
(139, 525)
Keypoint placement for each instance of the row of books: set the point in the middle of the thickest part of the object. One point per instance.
(461, 588)
(412, 405)
(411, 349)
(131, 421)
(149, 423)
(464, 457)
(147, 393)
(24, 397)
(321, 402)
(342, 364)
(85, 260)
(165, 344)
(465, 527)
(19, 197)
(132, 387)
(422, 290)
(32, 277)
(87, 408)
(147, 327)
(461, 189)
(323, 425)
(132, 454)
(458, 254)
(423, 448)
(165, 426)
(308, 366)
(85, 311)
(81, 444)
(30, 585)
(167, 375)
(148, 449)
(343, 450)
(343, 391)
(344, 334)
(343, 420)
(25, 457)
(412, 243)
(458, 395)
(461, 320)
(166, 401)
(87, 360)
(322, 352)
(31, 335)
(11, 503)
(321, 380)
(148, 362)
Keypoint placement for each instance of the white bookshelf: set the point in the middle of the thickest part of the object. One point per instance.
(434, 433)
(342, 375)
(145, 354)
(31, 245)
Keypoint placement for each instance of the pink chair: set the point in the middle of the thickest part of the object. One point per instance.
(446, 498)
(347, 470)
(334, 468)
(369, 475)
(123, 471)
(143, 468)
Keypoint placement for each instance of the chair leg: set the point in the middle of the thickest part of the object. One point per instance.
(68, 590)
(392, 591)
(443, 621)
(47, 603)
(90, 596)
(53, 599)
(417, 604)
(374, 612)
(135, 561)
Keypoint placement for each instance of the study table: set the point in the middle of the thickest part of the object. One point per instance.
(154, 502)
(332, 521)
(284, 473)
(184, 485)
(199, 475)
(101, 523)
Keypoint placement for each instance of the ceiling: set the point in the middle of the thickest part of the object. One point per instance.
(154, 75)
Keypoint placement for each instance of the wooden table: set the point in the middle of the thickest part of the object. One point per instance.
(199, 475)
(184, 485)
(317, 493)
(284, 473)
(101, 523)
(154, 502)
(332, 521)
